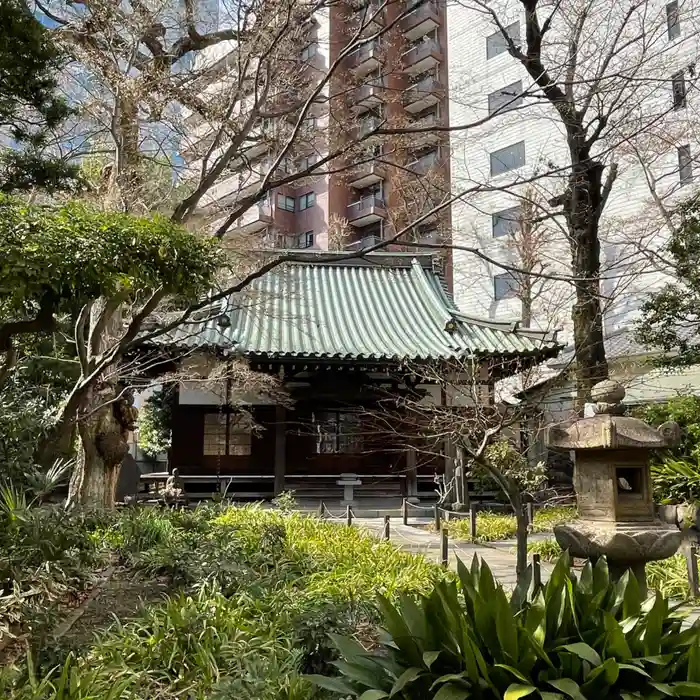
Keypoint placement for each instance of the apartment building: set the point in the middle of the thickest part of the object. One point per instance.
(512, 167)
(373, 185)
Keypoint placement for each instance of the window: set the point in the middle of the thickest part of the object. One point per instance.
(285, 203)
(305, 240)
(305, 163)
(508, 158)
(506, 98)
(496, 43)
(505, 286)
(307, 200)
(505, 222)
(673, 20)
(685, 165)
(226, 434)
(309, 123)
(337, 432)
(678, 87)
(308, 52)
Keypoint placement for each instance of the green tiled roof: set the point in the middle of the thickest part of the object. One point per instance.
(358, 311)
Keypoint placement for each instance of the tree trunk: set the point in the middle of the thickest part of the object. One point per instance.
(583, 207)
(100, 451)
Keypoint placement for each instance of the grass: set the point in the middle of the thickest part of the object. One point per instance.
(254, 595)
(548, 549)
(492, 527)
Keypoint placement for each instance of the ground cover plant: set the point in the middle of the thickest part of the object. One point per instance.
(253, 595)
(491, 527)
(581, 638)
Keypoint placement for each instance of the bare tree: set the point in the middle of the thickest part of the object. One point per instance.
(448, 409)
(595, 84)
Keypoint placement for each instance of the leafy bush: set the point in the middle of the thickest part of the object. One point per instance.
(256, 594)
(670, 577)
(684, 410)
(491, 527)
(155, 422)
(583, 639)
(549, 549)
(676, 481)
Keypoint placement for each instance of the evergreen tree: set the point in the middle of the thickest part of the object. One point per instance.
(30, 107)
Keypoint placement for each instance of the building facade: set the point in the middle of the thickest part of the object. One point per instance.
(374, 184)
(516, 163)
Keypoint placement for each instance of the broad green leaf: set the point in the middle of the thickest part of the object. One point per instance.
(429, 658)
(408, 676)
(337, 685)
(449, 677)
(663, 688)
(373, 695)
(568, 687)
(686, 689)
(601, 677)
(653, 626)
(601, 576)
(634, 669)
(585, 652)
(371, 677)
(585, 580)
(452, 692)
(506, 628)
(349, 648)
(414, 618)
(515, 692)
(550, 696)
(694, 663)
(514, 671)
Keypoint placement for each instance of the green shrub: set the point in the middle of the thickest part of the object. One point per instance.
(583, 639)
(684, 410)
(669, 577)
(549, 550)
(491, 527)
(676, 481)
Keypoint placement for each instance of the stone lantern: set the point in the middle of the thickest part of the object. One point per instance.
(613, 486)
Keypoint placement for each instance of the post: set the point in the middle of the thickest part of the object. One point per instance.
(386, 533)
(280, 448)
(321, 506)
(530, 511)
(691, 557)
(404, 511)
(348, 516)
(436, 515)
(536, 574)
(473, 508)
(411, 476)
(444, 553)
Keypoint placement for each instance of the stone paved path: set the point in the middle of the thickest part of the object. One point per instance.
(499, 556)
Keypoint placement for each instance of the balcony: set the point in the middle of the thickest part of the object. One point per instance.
(364, 242)
(368, 96)
(423, 94)
(366, 59)
(366, 174)
(422, 57)
(257, 218)
(371, 12)
(420, 21)
(366, 211)
(422, 165)
(431, 121)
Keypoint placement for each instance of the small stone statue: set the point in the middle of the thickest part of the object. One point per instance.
(173, 487)
(671, 432)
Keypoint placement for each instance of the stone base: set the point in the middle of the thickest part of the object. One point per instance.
(624, 543)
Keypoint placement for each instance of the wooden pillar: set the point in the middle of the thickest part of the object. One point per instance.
(411, 476)
(449, 470)
(280, 447)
